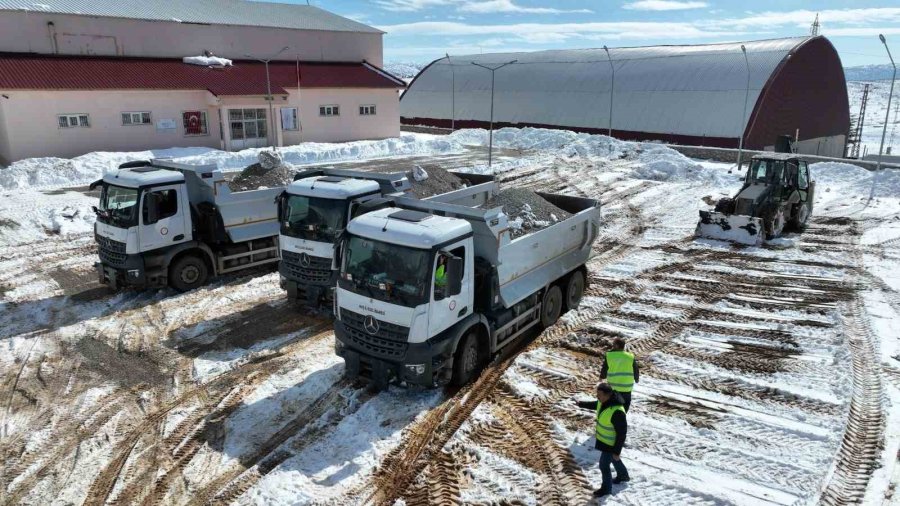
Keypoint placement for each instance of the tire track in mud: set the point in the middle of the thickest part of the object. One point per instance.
(256, 371)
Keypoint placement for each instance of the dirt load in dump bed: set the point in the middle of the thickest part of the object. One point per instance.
(527, 211)
(256, 176)
(438, 180)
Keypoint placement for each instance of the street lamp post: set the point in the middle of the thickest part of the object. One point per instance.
(452, 95)
(491, 134)
(744, 115)
(887, 116)
(612, 89)
(269, 88)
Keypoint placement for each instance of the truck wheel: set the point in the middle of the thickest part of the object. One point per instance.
(467, 362)
(187, 273)
(551, 306)
(574, 290)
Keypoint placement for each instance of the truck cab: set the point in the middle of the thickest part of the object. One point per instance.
(162, 223)
(313, 211)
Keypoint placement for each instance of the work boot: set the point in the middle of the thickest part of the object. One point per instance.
(600, 492)
(621, 479)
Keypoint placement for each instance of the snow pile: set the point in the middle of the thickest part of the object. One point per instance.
(560, 142)
(854, 181)
(661, 163)
(41, 172)
(207, 61)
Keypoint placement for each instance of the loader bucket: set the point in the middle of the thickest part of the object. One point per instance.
(730, 227)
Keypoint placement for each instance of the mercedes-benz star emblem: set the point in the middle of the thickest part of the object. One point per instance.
(371, 325)
(304, 260)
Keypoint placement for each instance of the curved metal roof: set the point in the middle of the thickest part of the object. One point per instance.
(215, 12)
(694, 90)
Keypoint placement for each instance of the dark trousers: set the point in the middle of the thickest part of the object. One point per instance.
(606, 458)
(626, 399)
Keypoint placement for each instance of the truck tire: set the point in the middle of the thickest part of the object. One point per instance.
(467, 363)
(574, 290)
(551, 306)
(187, 273)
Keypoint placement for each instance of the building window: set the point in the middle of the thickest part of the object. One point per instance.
(289, 119)
(195, 123)
(329, 110)
(247, 124)
(135, 118)
(367, 110)
(74, 121)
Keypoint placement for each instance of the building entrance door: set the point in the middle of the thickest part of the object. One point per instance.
(249, 128)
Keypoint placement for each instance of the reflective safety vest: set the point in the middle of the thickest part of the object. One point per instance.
(605, 431)
(440, 276)
(620, 370)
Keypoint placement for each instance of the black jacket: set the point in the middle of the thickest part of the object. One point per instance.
(604, 370)
(619, 421)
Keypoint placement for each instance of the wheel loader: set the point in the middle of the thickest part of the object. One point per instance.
(777, 194)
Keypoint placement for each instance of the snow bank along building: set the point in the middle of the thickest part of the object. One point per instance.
(691, 95)
(78, 76)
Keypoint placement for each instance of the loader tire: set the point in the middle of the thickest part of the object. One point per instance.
(467, 362)
(551, 307)
(774, 223)
(187, 273)
(725, 205)
(799, 218)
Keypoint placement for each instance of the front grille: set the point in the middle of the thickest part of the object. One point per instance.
(318, 271)
(389, 342)
(111, 252)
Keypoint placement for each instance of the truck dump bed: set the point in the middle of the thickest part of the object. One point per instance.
(529, 263)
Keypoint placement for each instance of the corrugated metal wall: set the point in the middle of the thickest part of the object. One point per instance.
(676, 91)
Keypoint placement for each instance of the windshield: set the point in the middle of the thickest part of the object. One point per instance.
(312, 218)
(387, 272)
(118, 206)
(765, 171)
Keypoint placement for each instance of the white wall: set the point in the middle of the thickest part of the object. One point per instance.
(5, 153)
(349, 125)
(23, 32)
(33, 130)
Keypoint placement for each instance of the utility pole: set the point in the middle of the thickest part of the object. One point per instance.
(743, 123)
(491, 134)
(856, 138)
(452, 95)
(612, 90)
(269, 97)
(887, 116)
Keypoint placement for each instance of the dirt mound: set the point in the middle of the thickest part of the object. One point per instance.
(256, 176)
(527, 211)
(438, 181)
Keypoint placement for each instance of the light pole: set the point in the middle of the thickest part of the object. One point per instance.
(269, 88)
(491, 134)
(887, 116)
(612, 89)
(744, 115)
(452, 95)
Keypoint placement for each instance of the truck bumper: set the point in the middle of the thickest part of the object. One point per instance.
(132, 273)
(428, 364)
(312, 294)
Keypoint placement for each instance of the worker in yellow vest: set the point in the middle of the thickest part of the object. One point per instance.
(620, 370)
(609, 431)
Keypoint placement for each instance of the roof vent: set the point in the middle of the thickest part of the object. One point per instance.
(331, 179)
(410, 216)
(145, 169)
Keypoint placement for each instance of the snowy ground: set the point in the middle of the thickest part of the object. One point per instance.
(876, 108)
(769, 375)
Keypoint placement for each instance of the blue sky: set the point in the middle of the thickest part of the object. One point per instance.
(422, 30)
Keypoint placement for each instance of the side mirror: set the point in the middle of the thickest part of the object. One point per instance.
(454, 275)
(95, 184)
(151, 208)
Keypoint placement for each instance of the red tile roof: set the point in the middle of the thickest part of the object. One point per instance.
(58, 72)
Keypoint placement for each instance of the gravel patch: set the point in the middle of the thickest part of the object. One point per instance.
(256, 176)
(528, 212)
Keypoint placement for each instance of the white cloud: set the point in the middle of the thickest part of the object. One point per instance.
(663, 5)
(491, 6)
(804, 18)
(611, 30)
(477, 6)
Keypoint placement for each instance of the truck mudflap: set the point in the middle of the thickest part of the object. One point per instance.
(736, 228)
(428, 364)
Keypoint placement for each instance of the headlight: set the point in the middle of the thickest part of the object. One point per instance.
(417, 369)
(134, 272)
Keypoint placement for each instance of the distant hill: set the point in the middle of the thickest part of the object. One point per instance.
(868, 72)
(404, 70)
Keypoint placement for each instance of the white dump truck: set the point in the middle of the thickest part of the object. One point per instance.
(429, 291)
(163, 223)
(313, 211)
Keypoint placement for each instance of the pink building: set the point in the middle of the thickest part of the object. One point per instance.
(77, 77)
